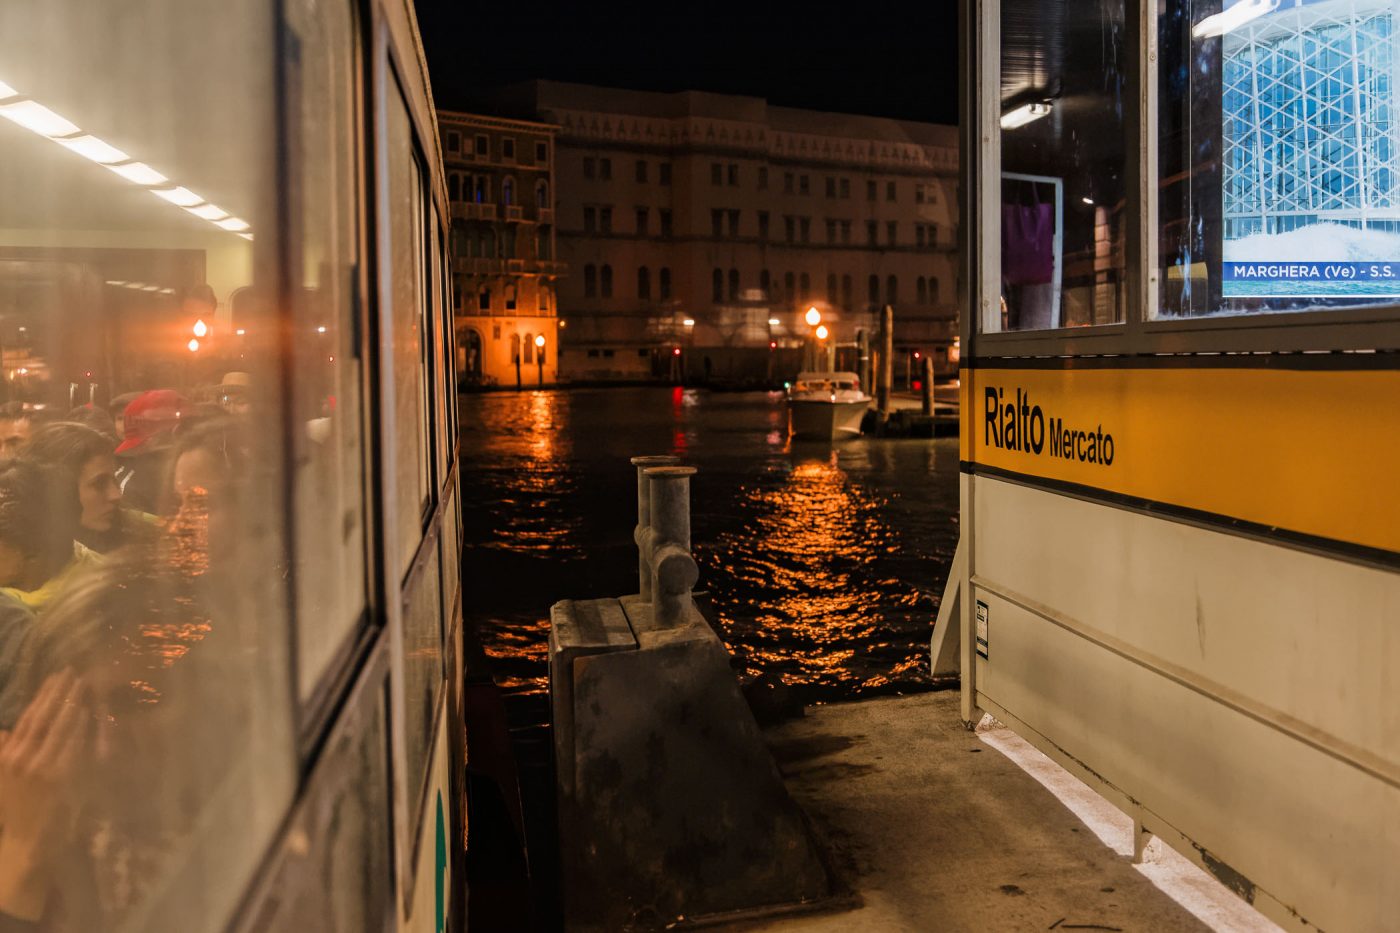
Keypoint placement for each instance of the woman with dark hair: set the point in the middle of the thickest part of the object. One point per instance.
(86, 455)
(39, 552)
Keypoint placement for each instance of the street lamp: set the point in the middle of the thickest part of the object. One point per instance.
(822, 332)
(539, 356)
(814, 317)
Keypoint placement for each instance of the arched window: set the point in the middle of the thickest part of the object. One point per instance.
(606, 281)
(484, 300)
(590, 281)
(508, 198)
(920, 290)
(789, 286)
(717, 285)
(733, 284)
(891, 290)
(543, 298)
(454, 186)
(846, 291)
(529, 344)
(806, 286)
(542, 194)
(510, 296)
(515, 348)
(479, 190)
(831, 295)
(875, 289)
(644, 283)
(665, 283)
(933, 289)
(765, 281)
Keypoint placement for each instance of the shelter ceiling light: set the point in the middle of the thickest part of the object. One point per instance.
(1026, 113)
(1232, 18)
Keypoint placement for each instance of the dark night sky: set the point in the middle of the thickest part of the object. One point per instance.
(894, 60)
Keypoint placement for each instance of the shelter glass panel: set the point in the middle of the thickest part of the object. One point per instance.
(1063, 197)
(145, 708)
(1278, 156)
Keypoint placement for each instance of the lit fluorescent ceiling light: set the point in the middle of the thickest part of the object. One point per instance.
(90, 147)
(208, 211)
(139, 173)
(180, 197)
(233, 223)
(1026, 113)
(1232, 18)
(37, 118)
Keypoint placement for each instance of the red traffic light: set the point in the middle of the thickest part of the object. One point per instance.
(675, 351)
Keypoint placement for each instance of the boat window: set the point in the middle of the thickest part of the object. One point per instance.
(1063, 206)
(329, 573)
(1279, 169)
(143, 556)
(407, 316)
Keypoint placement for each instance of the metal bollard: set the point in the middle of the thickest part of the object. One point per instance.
(673, 570)
(644, 518)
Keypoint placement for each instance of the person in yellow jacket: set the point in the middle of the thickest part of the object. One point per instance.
(39, 553)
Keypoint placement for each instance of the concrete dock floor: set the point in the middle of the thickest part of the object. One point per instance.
(937, 828)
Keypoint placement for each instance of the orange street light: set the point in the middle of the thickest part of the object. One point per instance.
(814, 317)
(539, 341)
(822, 332)
(201, 329)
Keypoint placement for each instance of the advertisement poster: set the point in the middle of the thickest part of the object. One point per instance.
(1311, 162)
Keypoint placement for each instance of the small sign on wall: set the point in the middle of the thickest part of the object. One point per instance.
(982, 614)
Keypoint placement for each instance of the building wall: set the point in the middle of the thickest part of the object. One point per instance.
(505, 259)
(758, 151)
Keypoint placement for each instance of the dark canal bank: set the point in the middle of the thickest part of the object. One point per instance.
(825, 562)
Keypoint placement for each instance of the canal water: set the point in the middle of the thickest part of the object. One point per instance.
(825, 562)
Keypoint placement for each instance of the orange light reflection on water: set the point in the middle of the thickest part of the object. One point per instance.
(799, 556)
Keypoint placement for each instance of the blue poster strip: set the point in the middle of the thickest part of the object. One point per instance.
(1311, 279)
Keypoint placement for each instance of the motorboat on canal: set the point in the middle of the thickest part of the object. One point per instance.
(826, 406)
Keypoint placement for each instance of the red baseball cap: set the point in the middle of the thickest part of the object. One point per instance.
(149, 415)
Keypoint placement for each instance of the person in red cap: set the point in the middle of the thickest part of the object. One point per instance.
(147, 424)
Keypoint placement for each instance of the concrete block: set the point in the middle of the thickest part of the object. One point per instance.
(670, 804)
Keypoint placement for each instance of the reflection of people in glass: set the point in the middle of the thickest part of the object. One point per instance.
(147, 424)
(87, 457)
(15, 428)
(233, 393)
(39, 553)
(208, 465)
(82, 723)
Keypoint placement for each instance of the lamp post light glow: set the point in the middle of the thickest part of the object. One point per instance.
(201, 329)
(814, 317)
(822, 332)
(539, 357)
